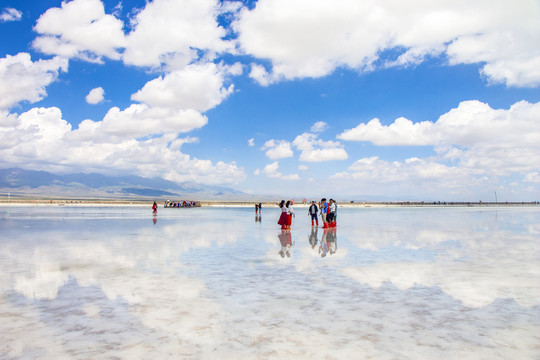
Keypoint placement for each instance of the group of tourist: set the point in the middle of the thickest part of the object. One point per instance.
(172, 204)
(327, 210)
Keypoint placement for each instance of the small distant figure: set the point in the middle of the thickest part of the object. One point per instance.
(154, 208)
(313, 210)
(260, 208)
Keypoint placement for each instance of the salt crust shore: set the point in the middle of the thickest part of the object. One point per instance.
(247, 204)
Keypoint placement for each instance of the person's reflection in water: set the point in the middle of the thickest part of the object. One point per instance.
(331, 240)
(328, 242)
(313, 237)
(285, 239)
(154, 219)
(323, 247)
(258, 218)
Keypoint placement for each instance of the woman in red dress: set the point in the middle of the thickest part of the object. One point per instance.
(283, 219)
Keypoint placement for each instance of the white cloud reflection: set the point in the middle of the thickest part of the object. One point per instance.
(210, 283)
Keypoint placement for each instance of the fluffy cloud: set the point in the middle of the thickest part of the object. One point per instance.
(401, 132)
(24, 80)
(373, 169)
(164, 32)
(319, 126)
(271, 170)
(199, 87)
(10, 14)
(277, 149)
(137, 121)
(80, 28)
(300, 43)
(314, 149)
(41, 139)
(474, 135)
(95, 96)
(171, 30)
(477, 149)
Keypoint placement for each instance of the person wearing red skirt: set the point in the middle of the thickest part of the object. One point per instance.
(283, 218)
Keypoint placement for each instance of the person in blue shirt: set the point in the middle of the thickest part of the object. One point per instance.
(313, 210)
(324, 211)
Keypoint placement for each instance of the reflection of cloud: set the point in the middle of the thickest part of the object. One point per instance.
(476, 283)
(204, 284)
(473, 264)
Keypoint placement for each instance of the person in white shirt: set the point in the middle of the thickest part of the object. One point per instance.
(290, 212)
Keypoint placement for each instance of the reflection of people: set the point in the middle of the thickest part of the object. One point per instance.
(323, 247)
(313, 210)
(285, 240)
(283, 218)
(154, 220)
(154, 208)
(313, 237)
(328, 242)
(331, 240)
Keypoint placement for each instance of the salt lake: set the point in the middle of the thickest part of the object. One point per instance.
(222, 283)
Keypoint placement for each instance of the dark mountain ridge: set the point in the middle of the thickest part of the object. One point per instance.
(20, 179)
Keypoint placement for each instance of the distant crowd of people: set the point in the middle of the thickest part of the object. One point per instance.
(172, 204)
(326, 209)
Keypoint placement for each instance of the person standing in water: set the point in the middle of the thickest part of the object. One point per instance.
(324, 211)
(290, 212)
(154, 208)
(331, 212)
(313, 210)
(283, 218)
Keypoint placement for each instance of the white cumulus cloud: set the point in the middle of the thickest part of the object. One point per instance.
(95, 96)
(272, 171)
(168, 30)
(500, 35)
(277, 149)
(81, 29)
(474, 146)
(494, 141)
(198, 86)
(314, 149)
(10, 14)
(319, 126)
(21, 79)
(41, 139)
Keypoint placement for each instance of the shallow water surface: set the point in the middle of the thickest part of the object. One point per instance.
(221, 283)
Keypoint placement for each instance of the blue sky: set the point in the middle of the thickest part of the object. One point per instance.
(346, 99)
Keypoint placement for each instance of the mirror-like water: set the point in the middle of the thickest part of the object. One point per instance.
(208, 283)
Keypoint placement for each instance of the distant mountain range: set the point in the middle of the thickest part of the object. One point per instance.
(21, 182)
